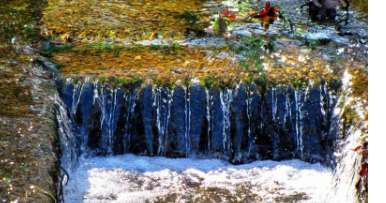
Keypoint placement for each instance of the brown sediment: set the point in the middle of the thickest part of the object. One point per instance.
(134, 19)
(27, 132)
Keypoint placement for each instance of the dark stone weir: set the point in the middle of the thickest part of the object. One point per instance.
(239, 124)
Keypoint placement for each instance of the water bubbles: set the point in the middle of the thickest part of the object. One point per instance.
(148, 178)
(265, 65)
(301, 58)
(14, 40)
(340, 51)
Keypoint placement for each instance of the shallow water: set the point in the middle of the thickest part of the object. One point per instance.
(131, 178)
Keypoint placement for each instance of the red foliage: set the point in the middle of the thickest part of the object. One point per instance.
(226, 13)
(357, 148)
(268, 10)
(363, 172)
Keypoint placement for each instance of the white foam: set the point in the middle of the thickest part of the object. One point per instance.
(130, 178)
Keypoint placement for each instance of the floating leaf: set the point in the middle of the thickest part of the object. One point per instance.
(357, 148)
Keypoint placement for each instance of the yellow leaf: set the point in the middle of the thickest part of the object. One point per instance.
(138, 57)
(152, 36)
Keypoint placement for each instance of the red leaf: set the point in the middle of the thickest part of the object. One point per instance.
(358, 185)
(364, 169)
(357, 148)
(226, 13)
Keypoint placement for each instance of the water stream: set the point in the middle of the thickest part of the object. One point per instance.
(131, 178)
(192, 125)
(151, 104)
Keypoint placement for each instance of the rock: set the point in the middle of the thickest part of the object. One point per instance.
(243, 33)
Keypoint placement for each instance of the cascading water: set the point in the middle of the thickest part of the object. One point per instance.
(239, 126)
(68, 145)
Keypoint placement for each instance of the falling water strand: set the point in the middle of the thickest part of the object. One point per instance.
(248, 102)
(170, 101)
(223, 119)
(67, 140)
(208, 118)
(76, 96)
(85, 135)
(127, 123)
(187, 121)
(134, 98)
(104, 115)
(302, 102)
(297, 123)
(226, 100)
(326, 107)
(112, 123)
(287, 108)
(274, 104)
(322, 105)
(158, 104)
(96, 92)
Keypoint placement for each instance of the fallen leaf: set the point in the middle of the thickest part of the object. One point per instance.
(357, 148)
(364, 169)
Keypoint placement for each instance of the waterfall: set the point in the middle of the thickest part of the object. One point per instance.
(187, 121)
(130, 100)
(169, 101)
(274, 103)
(158, 104)
(239, 125)
(299, 144)
(208, 118)
(226, 101)
(248, 103)
(68, 145)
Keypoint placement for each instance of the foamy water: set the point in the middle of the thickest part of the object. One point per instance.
(129, 178)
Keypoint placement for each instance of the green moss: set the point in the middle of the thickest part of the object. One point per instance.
(164, 82)
(99, 46)
(350, 118)
(50, 51)
(121, 81)
(209, 82)
(134, 83)
(191, 18)
(171, 47)
(297, 83)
